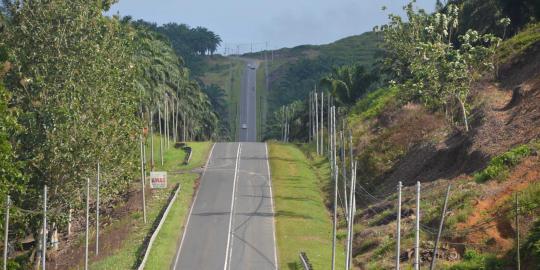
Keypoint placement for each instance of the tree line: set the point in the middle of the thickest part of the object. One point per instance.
(78, 88)
(192, 43)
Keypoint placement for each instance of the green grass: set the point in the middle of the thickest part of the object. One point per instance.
(302, 220)
(499, 167)
(374, 103)
(163, 251)
(519, 43)
(473, 260)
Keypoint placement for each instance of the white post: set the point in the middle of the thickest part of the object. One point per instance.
(97, 208)
(352, 212)
(398, 229)
(167, 127)
(69, 221)
(417, 230)
(160, 135)
(344, 172)
(329, 123)
(44, 243)
(143, 174)
(310, 111)
(87, 222)
(332, 146)
(6, 230)
(443, 214)
(350, 226)
(317, 122)
(322, 123)
(152, 140)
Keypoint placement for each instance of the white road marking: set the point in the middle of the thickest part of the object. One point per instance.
(272, 203)
(229, 232)
(190, 210)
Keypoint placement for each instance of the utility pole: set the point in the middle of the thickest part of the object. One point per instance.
(44, 244)
(443, 214)
(6, 230)
(398, 229)
(143, 175)
(97, 206)
(417, 230)
(518, 245)
(87, 221)
(317, 122)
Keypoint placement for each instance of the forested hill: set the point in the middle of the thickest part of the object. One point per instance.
(294, 72)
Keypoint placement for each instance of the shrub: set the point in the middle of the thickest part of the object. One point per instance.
(531, 247)
(499, 166)
(472, 260)
(375, 102)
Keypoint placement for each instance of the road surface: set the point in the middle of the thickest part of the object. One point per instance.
(248, 103)
(231, 224)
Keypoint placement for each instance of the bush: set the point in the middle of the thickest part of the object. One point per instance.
(375, 102)
(500, 165)
(473, 260)
(531, 248)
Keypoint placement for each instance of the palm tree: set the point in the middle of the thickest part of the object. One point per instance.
(348, 83)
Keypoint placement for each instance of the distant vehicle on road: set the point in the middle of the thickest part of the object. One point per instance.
(251, 66)
(244, 126)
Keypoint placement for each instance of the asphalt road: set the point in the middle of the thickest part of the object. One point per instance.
(248, 103)
(231, 224)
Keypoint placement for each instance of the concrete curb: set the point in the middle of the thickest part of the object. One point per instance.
(158, 228)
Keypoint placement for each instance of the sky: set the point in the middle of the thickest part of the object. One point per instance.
(278, 23)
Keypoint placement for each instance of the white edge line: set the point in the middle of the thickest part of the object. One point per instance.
(232, 208)
(156, 232)
(272, 203)
(191, 208)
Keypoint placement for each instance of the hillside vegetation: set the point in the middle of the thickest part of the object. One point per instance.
(455, 107)
(80, 93)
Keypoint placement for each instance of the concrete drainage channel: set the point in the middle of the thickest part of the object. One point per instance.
(158, 228)
(305, 261)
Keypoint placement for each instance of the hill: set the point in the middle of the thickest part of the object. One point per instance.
(294, 72)
(298, 68)
(486, 167)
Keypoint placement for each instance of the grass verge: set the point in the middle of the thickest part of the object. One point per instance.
(302, 220)
(163, 251)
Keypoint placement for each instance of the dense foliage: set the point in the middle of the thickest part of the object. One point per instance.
(304, 66)
(428, 67)
(190, 43)
(485, 15)
(349, 83)
(80, 88)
